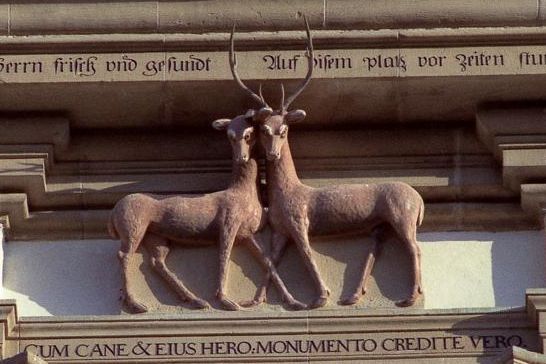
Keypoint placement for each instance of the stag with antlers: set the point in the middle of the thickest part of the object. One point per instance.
(228, 216)
(297, 211)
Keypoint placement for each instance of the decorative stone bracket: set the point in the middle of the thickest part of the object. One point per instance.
(536, 309)
(517, 138)
(24, 358)
(517, 355)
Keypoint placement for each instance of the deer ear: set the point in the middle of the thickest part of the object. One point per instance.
(221, 124)
(263, 114)
(294, 116)
(250, 113)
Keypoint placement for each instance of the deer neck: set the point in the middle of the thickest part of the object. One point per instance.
(245, 175)
(281, 174)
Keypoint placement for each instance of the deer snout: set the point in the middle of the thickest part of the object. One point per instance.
(272, 156)
(243, 158)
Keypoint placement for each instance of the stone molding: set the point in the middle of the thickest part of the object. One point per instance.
(477, 330)
(66, 333)
(517, 139)
(22, 18)
(536, 308)
(61, 181)
(517, 355)
(91, 223)
(24, 358)
(284, 39)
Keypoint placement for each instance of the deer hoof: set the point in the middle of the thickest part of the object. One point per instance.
(135, 307)
(296, 305)
(350, 300)
(249, 303)
(410, 301)
(199, 304)
(230, 305)
(319, 302)
(406, 303)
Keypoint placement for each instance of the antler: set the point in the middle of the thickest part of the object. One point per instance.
(233, 67)
(310, 65)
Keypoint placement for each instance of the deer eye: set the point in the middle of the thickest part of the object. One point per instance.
(247, 137)
(283, 132)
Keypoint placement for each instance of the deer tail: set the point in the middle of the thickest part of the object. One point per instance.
(421, 211)
(112, 227)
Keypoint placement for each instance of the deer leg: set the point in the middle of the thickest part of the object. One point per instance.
(159, 249)
(278, 247)
(227, 240)
(409, 238)
(362, 284)
(302, 242)
(378, 237)
(127, 266)
(130, 240)
(271, 271)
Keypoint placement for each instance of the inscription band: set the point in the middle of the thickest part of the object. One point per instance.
(340, 63)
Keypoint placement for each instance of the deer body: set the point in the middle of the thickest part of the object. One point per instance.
(341, 209)
(224, 217)
(192, 219)
(298, 211)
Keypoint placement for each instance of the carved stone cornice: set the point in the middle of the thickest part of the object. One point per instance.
(470, 333)
(19, 17)
(284, 39)
(24, 358)
(533, 199)
(382, 327)
(517, 138)
(8, 322)
(60, 183)
(536, 308)
(517, 355)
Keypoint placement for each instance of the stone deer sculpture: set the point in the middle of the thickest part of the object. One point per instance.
(228, 216)
(297, 211)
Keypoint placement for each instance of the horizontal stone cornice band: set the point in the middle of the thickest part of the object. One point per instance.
(323, 39)
(24, 18)
(249, 323)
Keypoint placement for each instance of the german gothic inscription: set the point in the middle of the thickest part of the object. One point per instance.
(335, 63)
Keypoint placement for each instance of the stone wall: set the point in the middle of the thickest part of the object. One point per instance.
(102, 99)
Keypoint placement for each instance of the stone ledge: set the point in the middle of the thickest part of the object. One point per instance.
(24, 358)
(259, 39)
(322, 320)
(91, 223)
(533, 200)
(517, 138)
(517, 355)
(457, 334)
(20, 17)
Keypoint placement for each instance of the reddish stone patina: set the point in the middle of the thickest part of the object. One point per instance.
(297, 211)
(226, 217)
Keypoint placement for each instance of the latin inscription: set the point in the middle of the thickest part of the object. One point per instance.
(268, 346)
(340, 63)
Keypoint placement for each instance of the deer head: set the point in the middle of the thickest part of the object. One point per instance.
(273, 124)
(240, 133)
